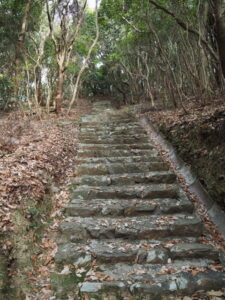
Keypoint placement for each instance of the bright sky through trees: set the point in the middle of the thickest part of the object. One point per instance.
(91, 4)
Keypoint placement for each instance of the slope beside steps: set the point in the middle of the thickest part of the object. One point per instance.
(130, 231)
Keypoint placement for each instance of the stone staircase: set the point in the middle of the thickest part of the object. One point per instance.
(130, 231)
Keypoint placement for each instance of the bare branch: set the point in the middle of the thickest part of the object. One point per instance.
(85, 64)
(51, 26)
(187, 28)
(132, 25)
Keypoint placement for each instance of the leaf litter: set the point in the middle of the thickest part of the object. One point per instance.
(37, 158)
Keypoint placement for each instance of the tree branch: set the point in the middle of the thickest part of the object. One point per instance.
(85, 64)
(51, 27)
(132, 25)
(187, 28)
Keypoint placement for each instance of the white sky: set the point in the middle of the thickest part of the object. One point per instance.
(91, 4)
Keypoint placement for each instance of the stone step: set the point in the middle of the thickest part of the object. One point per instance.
(126, 179)
(109, 123)
(138, 191)
(119, 168)
(116, 153)
(107, 119)
(119, 159)
(75, 229)
(102, 103)
(147, 146)
(108, 115)
(115, 135)
(126, 208)
(135, 128)
(114, 140)
(105, 105)
(112, 131)
(136, 252)
(130, 231)
(146, 284)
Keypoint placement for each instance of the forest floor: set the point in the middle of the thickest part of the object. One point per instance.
(37, 161)
(199, 138)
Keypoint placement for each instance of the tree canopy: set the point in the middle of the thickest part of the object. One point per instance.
(147, 50)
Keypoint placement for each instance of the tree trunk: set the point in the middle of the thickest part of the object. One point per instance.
(85, 63)
(19, 47)
(59, 93)
(203, 12)
(219, 9)
(38, 89)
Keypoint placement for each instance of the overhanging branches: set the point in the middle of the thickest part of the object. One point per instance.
(187, 28)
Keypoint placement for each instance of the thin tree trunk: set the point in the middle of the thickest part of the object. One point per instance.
(59, 93)
(187, 27)
(203, 12)
(19, 47)
(38, 89)
(85, 64)
(49, 93)
(220, 31)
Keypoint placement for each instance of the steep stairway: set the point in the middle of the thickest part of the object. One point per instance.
(130, 231)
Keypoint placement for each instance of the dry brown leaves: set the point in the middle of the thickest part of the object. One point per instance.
(35, 154)
(169, 119)
(196, 113)
(40, 156)
(44, 151)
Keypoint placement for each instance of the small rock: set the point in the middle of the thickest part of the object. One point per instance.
(183, 283)
(82, 260)
(215, 293)
(90, 287)
(141, 256)
(169, 261)
(172, 286)
(157, 256)
(222, 258)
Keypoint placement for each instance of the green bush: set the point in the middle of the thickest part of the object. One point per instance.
(5, 91)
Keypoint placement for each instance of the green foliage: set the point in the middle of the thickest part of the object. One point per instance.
(5, 90)
(97, 81)
(151, 48)
(141, 48)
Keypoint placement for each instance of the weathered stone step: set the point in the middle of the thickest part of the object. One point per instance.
(114, 140)
(119, 159)
(109, 123)
(107, 119)
(147, 146)
(110, 114)
(102, 104)
(119, 168)
(76, 229)
(116, 153)
(130, 231)
(136, 252)
(150, 191)
(134, 207)
(112, 131)
(150, 272)
(126, 179)
(113, 128)
(145, 284)
(103, 135)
